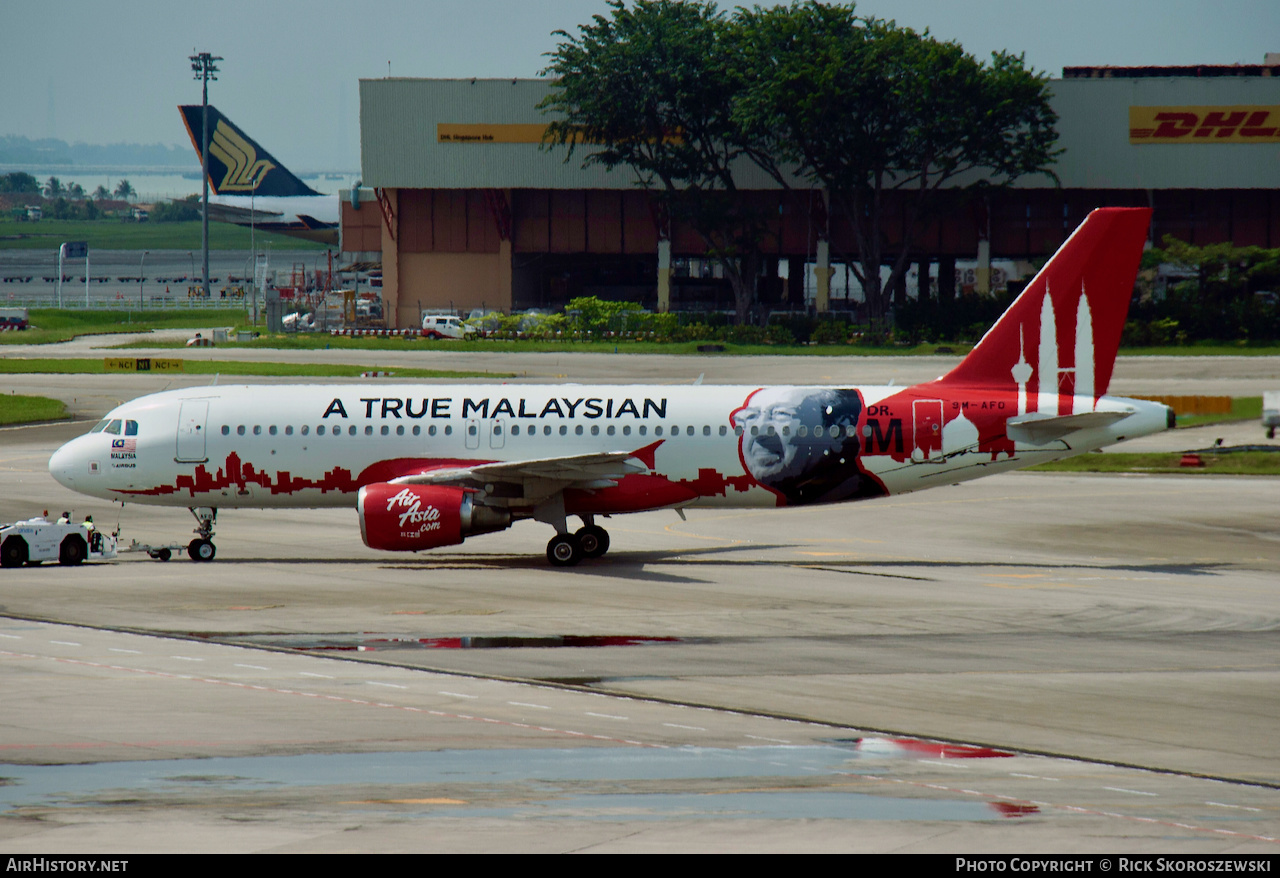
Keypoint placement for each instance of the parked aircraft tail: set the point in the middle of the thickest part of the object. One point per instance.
(237, 164)
(1059, 338)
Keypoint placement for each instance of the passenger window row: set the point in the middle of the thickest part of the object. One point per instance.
(447, 430)
(322, 430)
(118, 426)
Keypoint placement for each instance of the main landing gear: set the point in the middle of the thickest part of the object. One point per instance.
(589, 541)
(201, 548)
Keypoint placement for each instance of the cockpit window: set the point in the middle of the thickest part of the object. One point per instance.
(131, 428)
(100, 426)
(114, 427)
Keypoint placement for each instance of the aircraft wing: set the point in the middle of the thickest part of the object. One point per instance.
(539, 478)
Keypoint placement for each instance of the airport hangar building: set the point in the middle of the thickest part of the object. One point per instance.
(466, 209)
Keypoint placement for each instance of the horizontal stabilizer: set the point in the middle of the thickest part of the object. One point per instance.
(1038, 429)
(227, 213)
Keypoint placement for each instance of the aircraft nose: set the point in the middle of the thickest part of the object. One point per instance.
(63, 465)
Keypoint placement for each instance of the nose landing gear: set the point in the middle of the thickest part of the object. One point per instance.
(202, 548)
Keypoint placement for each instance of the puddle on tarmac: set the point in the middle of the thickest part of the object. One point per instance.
(402, 777)
(371, 642)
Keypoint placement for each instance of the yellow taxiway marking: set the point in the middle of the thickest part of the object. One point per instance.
(1036, 585)
(407, 802)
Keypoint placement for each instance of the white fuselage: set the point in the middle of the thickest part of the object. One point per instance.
(316, 445)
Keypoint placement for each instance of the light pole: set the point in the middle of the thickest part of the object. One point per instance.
(204, 68)
(141, 278)
(253, 245)
(265, 268)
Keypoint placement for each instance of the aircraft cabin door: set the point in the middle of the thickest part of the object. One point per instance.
(926, 441)
(472, 433)
(191, 431)
(497, 433)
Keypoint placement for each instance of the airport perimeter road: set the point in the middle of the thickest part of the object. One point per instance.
(1212, 376)
(1122, 621)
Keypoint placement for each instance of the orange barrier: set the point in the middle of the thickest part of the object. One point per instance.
(1194, 405)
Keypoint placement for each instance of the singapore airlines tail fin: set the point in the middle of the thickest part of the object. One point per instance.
(1058, 340)
(237, 164)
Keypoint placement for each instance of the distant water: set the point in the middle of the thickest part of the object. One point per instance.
(153, 184)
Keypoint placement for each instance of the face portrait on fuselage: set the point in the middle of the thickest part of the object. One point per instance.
(802, 443)
(772, 445)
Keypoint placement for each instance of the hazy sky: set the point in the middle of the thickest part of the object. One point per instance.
(109, 72)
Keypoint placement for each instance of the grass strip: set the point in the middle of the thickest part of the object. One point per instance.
(1242, 463)
(54, 325)
(18, 409)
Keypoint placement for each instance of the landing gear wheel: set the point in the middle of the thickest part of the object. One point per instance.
(72, 551)
(200, 550)
(564, 550)
(594, 540)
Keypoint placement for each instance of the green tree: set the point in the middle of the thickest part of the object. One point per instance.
(1222, 271)
(18, 181)
(651, 87)
(862, 108)
(53, 188)
(101, 193)
(182, 210)
(125, 191)
(1226, 293)
(75, 192)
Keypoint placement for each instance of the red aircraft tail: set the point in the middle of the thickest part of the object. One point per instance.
(1059, 338)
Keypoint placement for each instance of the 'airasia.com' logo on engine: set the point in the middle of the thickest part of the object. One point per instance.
(1204, 124)
(408, 506)
(404, 518)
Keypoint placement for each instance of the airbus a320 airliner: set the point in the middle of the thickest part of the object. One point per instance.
(428, 466)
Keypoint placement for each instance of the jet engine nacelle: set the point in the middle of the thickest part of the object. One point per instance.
(409, 518)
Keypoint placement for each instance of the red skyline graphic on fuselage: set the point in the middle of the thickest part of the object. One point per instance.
(238, 474)
(633, 492)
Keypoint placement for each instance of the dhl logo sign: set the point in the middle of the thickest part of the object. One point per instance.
(244, 169)
(1204, 124)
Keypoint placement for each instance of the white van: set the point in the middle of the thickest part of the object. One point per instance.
(446, 326)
